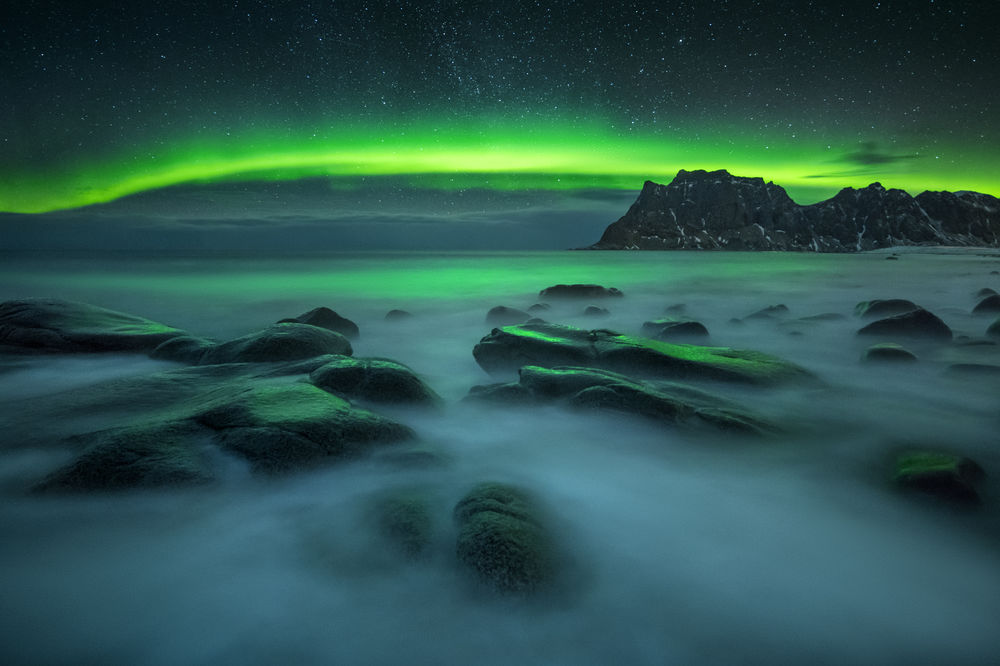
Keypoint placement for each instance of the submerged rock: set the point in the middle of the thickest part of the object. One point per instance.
(280, 342)
(398, 315)
(284, 427)
(888, 352)
(993, 331)
(669, 329)
(770, 312)
(880, 308)
(595, 311)
(918, 323)
(941, 475)
(374, 379)
(502, 539)
(183, 349)
(502, 315)
(989, 305)
(589, 388)
(985, 291)
(326, 318)
(125, 458)
(54, 325)
(549, 345)
(405, 519)
(579, 291)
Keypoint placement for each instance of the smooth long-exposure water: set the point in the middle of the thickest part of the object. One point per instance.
(682, 546)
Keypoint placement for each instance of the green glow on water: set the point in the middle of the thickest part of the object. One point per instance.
(543, 155)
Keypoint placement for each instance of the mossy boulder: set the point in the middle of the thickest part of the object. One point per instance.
(589, 388)
(127, 458)
(579, 291)
(550, 345)
(373, 379)
(888, 352)
(880, 308)
(671, 329)
(989, 305)
(284, 427)
(502, 539)
(326, 318)
(280, 342)
(405, 519)
(917, 323)
(944, 476)
(54, 325)
(502, 315)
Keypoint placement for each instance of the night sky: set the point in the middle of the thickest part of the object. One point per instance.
(102, 100)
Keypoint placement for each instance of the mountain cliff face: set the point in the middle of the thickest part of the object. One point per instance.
(714, 210)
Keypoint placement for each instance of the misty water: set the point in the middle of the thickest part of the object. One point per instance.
(682, 546)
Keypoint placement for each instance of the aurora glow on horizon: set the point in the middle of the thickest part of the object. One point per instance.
(450, 95)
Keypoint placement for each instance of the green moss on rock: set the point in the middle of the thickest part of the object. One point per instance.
(502, 539)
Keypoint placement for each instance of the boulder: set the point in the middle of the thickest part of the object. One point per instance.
(888, 352)
(328, 319)
(280, 342)
(549, 345)
(398, 315)
(993, 331)
(53, 325)
(404, 519)
(285, 427)
(595, 311)
(142, 457)
(669, 328)
(502, 539)
(986, 291)
(941, 475)
(183, 349)
(588, 388)
(989, 305)
(579, 291)
(918, 323)
(880, 308)
(770, 312)
(373, 379)
(539, 307)
(502, 315)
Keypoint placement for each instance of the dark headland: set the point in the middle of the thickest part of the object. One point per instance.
(702, 210)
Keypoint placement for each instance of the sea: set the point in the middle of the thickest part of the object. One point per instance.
(682, 546)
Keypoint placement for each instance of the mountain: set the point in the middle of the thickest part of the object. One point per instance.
(701, 210)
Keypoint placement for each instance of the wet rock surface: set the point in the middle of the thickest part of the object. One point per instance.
(888, 352)
(574, 291)
(324, 317)
(281, 342)
(941, 475)
(373, 379)
(918, 323)
(502, 539)
(506, 349)
(587, 388)
(55, 325)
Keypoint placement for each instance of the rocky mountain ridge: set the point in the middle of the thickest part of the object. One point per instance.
(702, 210)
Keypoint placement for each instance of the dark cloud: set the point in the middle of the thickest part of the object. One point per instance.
(869, 154)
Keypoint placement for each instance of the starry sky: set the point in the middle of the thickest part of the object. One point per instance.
(105, 99)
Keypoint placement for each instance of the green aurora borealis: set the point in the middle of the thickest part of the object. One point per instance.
(102, 102)
(506, 157)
